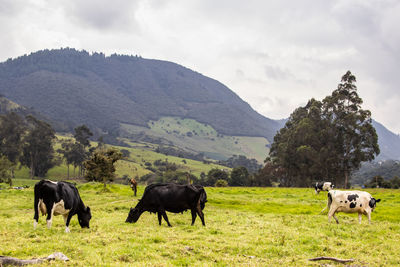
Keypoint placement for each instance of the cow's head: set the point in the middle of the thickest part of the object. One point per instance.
(323, 186)
(203, 199)
(372, 203)
(84, 217)
(133, 215)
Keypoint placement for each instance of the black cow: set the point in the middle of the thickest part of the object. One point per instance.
(59, 198)
(159, 198)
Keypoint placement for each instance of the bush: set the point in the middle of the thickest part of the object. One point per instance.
(221, 183)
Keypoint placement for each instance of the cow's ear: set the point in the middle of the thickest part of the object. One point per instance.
(377, 200)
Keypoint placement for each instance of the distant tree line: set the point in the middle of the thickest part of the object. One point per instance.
(28, 141)
(251, 165)
(379, 182)
(163, 171)
(324, 140)
(387, 169)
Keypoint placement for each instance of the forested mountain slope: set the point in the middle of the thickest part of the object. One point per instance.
(75, 87)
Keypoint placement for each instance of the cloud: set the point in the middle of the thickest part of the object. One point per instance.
(274, 54)
(103, 14)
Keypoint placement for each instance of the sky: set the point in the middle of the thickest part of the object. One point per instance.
(274, 54)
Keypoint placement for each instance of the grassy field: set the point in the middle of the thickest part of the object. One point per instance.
(197, 137)
(244, 226)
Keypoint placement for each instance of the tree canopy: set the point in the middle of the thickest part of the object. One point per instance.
(326, 140)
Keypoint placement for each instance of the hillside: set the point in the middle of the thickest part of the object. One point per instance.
(75, 87)
(389, 143)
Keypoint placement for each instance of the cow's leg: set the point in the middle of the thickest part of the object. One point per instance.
(159, 218)
(334, 216)
(194, 215)
(359, 217)
(369, 217)
(50, 211)
(164, 214)
(135, 190)
(36, 208)
(200, 213)
(67, 219)
(331, 213)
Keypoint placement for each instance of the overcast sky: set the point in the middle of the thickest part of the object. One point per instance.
(275, 55)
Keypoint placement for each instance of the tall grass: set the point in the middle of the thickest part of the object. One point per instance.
(244, 226)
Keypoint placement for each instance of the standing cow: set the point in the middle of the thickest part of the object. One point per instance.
(159, 198)
(323, 186)
(59, 198)
(133, 184)
(351, 202)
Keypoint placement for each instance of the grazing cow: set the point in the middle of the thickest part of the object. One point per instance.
(133, 185)
(159, 198)
(351, 202)
(323, 186)
(59, 198)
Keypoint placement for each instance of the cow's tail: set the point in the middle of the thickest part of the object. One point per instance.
(36, 205)
(328, 206)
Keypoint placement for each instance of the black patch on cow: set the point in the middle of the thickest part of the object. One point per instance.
(352, 197)
(330, 197)
(372, 203)
(360, 205)
(353, 205)
(341, 201)
(345, 201)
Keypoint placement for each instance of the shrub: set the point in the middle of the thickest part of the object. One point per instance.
(221, 183)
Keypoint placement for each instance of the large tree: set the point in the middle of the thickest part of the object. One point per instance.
(38, 153)
(355, 138)
(326, 140)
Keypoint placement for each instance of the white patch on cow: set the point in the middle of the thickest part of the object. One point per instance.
(67, 229)
(58, 208)
(52, 181)
(49, 222)
(35, 223)
(42, 207)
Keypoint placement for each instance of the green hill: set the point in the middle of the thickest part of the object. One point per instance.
(75, 87)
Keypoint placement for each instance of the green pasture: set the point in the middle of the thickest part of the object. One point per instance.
(202, 138)
(244, 226)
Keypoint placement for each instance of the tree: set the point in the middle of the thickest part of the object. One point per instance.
(82, 135)
(326, 140)
(38, 153)
(6, 167)
(214, 175)
(100, 167)
(239, 176)
(81, 149)
(298, 148)
(355, 139)
(12, 129)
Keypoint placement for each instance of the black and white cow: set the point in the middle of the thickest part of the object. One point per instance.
(351, 202)
(323, 186)
(159, 198)
(59, 198)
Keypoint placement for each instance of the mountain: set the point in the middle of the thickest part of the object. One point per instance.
(143, 99)
(75, 87)
(389, 143)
